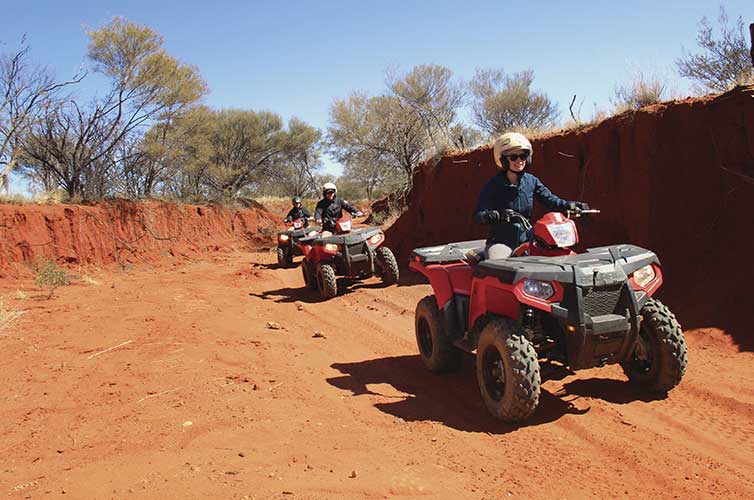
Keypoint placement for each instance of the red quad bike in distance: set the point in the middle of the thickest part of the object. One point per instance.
(288, 241)
(546, 303)
(357, 252)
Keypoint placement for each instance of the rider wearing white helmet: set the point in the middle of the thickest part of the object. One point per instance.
(512, 189)
(330, 209)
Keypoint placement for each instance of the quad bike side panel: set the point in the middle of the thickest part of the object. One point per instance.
(446, 280)
(490, 295)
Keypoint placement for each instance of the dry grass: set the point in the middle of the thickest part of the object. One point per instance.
(43, 198)
(8, 316)
(89, 280)
(14, 199)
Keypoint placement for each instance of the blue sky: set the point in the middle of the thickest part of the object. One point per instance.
(296, 57)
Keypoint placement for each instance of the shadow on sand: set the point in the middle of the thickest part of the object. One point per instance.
(346, 286)
(454, 400)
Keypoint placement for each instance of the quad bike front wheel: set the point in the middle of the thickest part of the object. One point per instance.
(281, 257)
(659, 358)
(507, 370)
(309, 279)
(435, 347)
(328, 286)
(389, 271)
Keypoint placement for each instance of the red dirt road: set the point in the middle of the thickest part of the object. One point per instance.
(203, 400)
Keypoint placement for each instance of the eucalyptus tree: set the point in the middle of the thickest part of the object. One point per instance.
(504, 102)
(146, 86)
(27, 92)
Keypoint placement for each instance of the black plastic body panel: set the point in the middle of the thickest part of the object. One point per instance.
(356, 256)
(596, 267)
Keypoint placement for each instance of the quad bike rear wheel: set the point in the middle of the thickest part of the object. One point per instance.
(328, 285)
(309, 279)
(507, 369)
(659, 358)
(388, 266)
(435, 347)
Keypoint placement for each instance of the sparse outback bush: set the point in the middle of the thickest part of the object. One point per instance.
(49, 275)
(642, 91)
(723, 62)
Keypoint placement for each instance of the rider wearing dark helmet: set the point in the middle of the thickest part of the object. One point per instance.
(512, 189)
(298, 212)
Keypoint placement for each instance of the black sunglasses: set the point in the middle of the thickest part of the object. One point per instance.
(521, 156)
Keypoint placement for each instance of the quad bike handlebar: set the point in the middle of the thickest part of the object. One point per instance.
(508, 215)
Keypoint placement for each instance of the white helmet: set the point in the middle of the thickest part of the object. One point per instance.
(329, 186)
(511, 141)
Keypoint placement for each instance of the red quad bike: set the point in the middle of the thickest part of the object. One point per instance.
(287, 241)
(348, 252)
(546, 304)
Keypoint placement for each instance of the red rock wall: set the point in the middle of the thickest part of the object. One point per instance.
(123, 231)
(677, 178)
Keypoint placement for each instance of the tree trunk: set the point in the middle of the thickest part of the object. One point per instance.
(751, 36)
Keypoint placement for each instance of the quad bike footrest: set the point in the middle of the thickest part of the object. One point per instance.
(608, 323)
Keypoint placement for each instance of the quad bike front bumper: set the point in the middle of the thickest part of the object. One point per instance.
(599, 312)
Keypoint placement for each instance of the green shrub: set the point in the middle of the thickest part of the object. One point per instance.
(47, 274)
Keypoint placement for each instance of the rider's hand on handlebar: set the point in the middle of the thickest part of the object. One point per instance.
(491, 216)
(578, 206)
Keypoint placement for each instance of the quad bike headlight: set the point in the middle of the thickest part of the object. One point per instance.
(538, 289)
(344, 225)
(564, 234)
(376, 239)
(283, 238)
(331, 248)
(644, 275)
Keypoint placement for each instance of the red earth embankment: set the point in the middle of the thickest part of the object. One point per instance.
(677, 178)
(123, 232)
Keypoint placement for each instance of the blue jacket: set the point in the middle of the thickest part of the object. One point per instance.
(499, 194)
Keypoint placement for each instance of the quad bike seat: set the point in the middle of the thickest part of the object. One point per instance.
(298, 234)
(355, 236)
(452, 252)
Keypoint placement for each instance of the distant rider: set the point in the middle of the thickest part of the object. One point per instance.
(298, 212)
(330, 209)
(512, 189)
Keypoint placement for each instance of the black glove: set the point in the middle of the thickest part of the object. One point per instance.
(578, 206)
(491, 216)
(507, 214)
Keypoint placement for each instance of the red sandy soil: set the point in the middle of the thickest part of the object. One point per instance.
(203, 400)
(126, 232)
